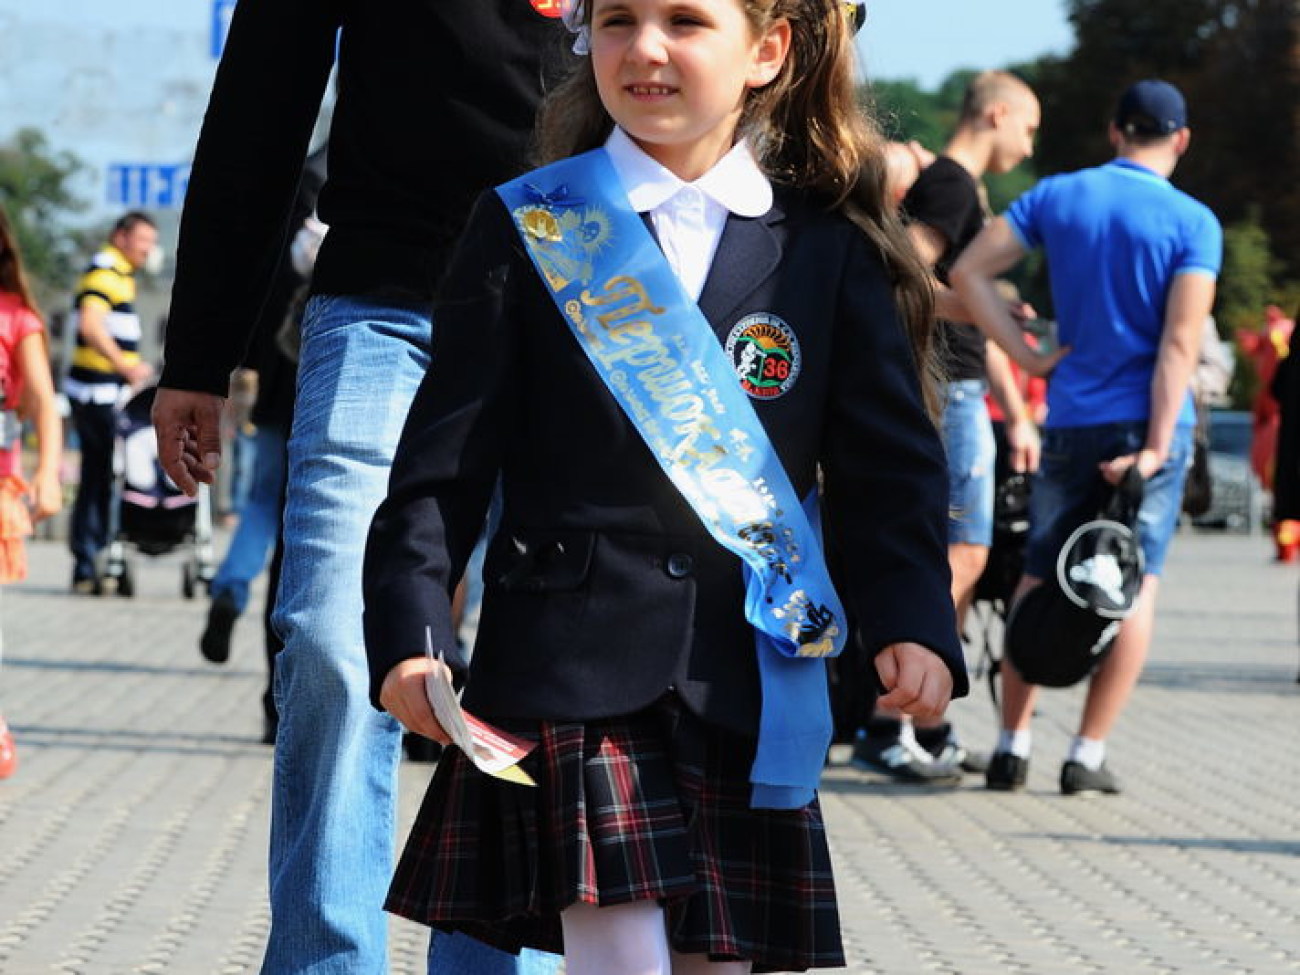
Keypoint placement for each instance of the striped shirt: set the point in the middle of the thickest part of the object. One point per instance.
(109, 284)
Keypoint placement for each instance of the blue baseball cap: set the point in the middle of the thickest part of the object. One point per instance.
(1151, 107)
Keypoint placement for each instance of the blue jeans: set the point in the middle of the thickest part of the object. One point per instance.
(259, 519)
(972, 457)
(96, 426)
(332, 804)
(1069, 490)
(243, 454)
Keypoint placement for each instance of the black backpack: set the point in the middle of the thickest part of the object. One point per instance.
(1059, 632)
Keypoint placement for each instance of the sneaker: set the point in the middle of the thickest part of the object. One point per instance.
(8, 752)
(1006, 772)
(1079, 780)
(953, 752)
(902, 760)
(215, 642)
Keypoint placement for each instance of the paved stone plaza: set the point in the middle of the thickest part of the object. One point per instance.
(133, 836)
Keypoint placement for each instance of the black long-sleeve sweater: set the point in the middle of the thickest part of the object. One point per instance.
(436, 101)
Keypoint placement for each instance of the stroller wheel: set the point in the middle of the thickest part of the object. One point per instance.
(187, 581)
(126, 582)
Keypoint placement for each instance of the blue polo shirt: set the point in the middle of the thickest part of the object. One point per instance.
(1115, 237)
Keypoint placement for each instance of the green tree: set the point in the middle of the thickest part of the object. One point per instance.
(1246, 281)
(35, 192)
(906, 111)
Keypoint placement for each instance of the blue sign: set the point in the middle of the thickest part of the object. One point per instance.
(222, 10)
(153, 185)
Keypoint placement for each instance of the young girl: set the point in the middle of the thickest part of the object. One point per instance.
(27, 392)
(656, 607)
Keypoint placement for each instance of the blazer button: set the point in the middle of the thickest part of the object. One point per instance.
(680, 565)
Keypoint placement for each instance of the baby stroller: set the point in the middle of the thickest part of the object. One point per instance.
(148, 511)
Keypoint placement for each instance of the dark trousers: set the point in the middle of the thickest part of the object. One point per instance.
(95, 425)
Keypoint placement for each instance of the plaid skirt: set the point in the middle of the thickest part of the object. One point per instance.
(649, 806)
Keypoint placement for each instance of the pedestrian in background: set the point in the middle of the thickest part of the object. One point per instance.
(105, 361)
(436, 101)
(1133, 264)
(26, 394)
(270, 418)
(945, 210)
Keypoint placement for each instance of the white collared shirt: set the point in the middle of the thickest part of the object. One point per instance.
(688, 218)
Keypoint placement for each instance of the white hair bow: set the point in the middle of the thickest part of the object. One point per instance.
(574, 15)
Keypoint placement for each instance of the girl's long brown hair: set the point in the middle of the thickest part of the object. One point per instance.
(13, 278)
(808, 132)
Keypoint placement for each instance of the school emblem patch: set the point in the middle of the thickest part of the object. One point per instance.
(765, 355)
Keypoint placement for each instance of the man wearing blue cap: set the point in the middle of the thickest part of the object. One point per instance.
(1133, 264)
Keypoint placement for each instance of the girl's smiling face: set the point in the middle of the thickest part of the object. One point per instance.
(673, 74)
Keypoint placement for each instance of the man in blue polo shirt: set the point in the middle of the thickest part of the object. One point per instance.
(1133, 264)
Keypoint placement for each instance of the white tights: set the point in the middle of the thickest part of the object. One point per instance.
(630, 939)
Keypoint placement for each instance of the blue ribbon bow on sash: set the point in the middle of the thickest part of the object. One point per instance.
(655, 351)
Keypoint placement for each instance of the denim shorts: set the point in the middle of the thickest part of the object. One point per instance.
(972, 455)
(1069, 490)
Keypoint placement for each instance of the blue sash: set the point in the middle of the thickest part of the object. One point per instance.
(657, 354)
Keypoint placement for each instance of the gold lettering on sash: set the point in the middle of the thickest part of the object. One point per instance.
(810, 627)
(620, 288)
(673, 398)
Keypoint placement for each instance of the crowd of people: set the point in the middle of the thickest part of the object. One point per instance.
(658, 303)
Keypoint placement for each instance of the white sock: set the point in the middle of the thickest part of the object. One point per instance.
(907, 735)
(626, 939)
(1088, 752)
(1015, 741)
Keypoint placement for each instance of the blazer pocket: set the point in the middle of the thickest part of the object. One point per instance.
(527, 561)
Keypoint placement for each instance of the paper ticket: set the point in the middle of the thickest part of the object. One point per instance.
(490, 749)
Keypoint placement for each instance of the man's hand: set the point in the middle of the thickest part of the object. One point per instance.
(45, 495)
(137, 374)
(1026, 446)
(1147, 461)
(403, 696)
(917, 679)
(188, 426)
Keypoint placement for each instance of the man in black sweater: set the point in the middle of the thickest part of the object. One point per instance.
(436, 103)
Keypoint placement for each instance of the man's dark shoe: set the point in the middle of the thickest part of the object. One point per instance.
(902, 760)
(1079, 780)
(1007, 772)
(215, 642)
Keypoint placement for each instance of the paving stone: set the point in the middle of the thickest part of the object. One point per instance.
(133, 837)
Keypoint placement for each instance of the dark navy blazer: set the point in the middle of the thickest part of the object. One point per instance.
(602, 589)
